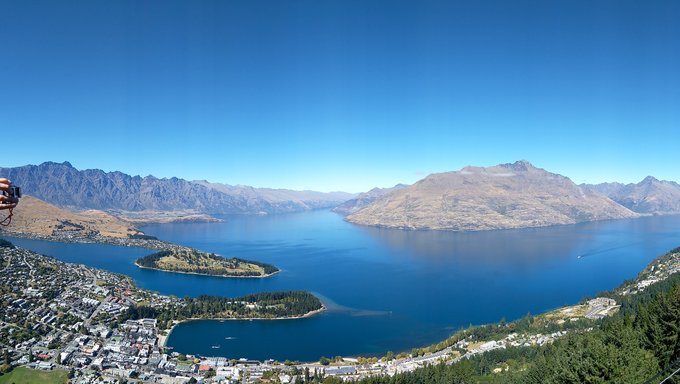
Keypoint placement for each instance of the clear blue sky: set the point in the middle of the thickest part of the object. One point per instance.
(344, 94)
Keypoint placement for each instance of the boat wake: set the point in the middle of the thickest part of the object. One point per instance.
(603, 250)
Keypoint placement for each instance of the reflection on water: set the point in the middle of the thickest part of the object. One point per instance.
(385, 289)
(498, 248)
(536, 245)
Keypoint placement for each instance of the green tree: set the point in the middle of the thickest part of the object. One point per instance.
(610, 356)
(659, 323)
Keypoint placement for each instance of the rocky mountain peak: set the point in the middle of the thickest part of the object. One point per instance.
(54, 163)
(519, 166)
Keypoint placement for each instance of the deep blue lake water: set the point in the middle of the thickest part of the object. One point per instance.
(386, 289)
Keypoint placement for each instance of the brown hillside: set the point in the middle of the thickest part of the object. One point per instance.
(514, 195)
(35, 217)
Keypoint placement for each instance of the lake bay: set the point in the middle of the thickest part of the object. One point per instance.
(385, 289)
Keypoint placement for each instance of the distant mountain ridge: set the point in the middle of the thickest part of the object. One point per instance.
(516, 195)
(364, 199)
(65, 186)
(285, 200)
(650, 196)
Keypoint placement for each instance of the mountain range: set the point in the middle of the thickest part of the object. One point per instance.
(513, 195)
(516, 195)
(67, 187)
(650, 196)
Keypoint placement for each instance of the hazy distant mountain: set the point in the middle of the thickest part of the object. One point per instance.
(504, 196)
(284, 200)
(364, 199)
(67, 187)
(648, 196)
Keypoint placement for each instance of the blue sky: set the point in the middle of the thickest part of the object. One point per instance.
(342, 95)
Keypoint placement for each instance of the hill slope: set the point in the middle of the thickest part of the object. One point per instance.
(514, 195)
(648, 196)
(68, 187)
(36, 217)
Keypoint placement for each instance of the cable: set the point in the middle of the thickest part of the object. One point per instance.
(676, 371)
(7, 220)
(658, 375)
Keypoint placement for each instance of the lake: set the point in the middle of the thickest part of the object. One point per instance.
(385, 289)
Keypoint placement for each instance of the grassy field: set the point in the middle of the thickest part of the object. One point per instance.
(22, 375)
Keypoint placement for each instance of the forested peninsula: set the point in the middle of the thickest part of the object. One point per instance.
(187, 260)
(267, 305)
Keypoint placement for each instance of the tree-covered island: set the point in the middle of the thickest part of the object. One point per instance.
(188, 260)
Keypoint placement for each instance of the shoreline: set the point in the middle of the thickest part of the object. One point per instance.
(163, 338)
(149, 244)
(207, 274)
(175, 323)
(476, 230)
(623, 289)
(152, 245)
